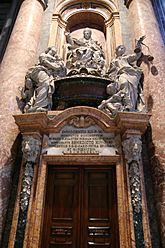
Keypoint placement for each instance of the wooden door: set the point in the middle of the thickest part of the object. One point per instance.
(80, 208)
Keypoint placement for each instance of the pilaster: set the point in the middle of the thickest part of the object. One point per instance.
(19, 56)
(127, 127)
(144, 23)
(127, 2)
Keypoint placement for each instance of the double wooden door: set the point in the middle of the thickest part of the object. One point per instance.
(80, 208)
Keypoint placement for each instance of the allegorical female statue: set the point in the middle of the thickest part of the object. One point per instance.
(126, 75)
(40, 81)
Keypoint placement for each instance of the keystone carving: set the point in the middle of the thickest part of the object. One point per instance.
(81, 121)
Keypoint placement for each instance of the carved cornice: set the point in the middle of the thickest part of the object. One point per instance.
(125, 123)
(57, 17)
(132, 123)
(127, 2)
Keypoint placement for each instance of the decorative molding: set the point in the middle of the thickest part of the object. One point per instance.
(26, 186)
(124, 122)
(127, 2)
(44, 3)
(32, 125)
(134, 180)
(81, 121)
(132, 148)
(31, 148)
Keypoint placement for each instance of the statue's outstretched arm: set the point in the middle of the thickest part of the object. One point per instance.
(138, 50)
(69, 39)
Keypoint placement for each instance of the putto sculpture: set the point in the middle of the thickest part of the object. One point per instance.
(85, 53)
(125, 92)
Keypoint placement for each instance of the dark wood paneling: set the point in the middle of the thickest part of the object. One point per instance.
(80, 208)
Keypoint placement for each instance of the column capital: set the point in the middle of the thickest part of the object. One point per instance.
(44, 3)
(30, 148)
(132, 148)
(127, 2)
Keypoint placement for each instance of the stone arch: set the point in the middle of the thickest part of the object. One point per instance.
(91, 19)
(68, 13)
(99, 118)
(110, 5)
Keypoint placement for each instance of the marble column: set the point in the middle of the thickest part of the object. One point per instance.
(144, 23)
(19, 56)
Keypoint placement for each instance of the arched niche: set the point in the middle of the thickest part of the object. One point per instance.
(88, 19)
(101, 16)
(85, 19)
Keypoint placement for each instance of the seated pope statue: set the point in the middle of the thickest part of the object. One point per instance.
(84, 52)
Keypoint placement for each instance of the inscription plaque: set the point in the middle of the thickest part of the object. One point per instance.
(72, 140)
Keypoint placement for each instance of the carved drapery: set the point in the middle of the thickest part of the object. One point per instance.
(30, 148)
(132, 148)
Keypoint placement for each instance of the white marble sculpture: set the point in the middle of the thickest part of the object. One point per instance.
(126, 76)
(54, 64)
(44, 88)
(40, 81)
(84, 53)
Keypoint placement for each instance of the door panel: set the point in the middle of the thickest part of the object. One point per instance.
(80, 209)
(98, 204)
(61, 213)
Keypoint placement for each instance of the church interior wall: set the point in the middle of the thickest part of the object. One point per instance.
(116, 26)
